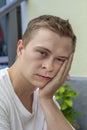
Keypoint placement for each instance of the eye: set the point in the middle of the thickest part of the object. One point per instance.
(61, 60)
(42, 53)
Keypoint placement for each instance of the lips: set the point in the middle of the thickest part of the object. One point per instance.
(44, 77)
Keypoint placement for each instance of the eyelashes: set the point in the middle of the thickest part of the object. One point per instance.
(61, 60)
(45, 55)
(42, 54)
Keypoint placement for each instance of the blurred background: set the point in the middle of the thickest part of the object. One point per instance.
(15, 14)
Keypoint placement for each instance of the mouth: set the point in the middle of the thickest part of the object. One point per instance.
(43, 77)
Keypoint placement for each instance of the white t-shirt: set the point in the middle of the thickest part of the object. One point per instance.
(13, 115)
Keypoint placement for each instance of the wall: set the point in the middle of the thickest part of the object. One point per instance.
(75, 11)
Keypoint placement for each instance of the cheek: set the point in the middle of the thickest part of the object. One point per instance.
(34, 64)
(35, 61)
(57, 67)
(32, 61)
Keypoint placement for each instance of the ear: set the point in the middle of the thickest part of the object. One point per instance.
(20, 47)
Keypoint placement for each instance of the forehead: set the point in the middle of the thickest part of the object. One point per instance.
(50, 40)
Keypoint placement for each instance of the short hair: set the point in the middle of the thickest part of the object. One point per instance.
(56, 24)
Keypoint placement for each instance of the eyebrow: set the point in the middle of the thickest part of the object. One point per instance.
(49, 51)
(43, 48)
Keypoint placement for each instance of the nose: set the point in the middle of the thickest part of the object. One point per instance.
(48, 65)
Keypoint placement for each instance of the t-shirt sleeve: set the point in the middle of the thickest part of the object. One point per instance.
(4, 120)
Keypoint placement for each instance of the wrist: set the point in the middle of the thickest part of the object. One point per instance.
(44, 101)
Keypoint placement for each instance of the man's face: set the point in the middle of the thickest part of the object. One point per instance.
(42, 58)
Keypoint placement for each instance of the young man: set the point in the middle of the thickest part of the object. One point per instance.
(44, 57)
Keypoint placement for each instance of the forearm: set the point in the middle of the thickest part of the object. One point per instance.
(54, 118)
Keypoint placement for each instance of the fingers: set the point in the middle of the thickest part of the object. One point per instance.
(67, 67)
(64, 70)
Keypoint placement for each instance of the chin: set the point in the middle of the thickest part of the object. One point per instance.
(39, 84)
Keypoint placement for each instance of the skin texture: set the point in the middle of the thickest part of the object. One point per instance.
(44, 63)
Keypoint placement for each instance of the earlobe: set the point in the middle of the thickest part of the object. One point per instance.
(19, 47)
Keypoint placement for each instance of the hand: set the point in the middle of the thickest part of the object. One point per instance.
(49, 90)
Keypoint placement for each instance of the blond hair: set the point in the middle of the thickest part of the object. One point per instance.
(56, 24)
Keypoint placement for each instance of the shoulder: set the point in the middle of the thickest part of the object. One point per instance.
(3, 73)
(4, 107)
(3, 92)
(4, 113)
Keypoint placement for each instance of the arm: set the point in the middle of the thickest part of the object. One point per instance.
(54, 118)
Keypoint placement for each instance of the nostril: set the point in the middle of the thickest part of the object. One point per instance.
(48, 67)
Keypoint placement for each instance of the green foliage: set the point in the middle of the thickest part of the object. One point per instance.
(64, 96)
